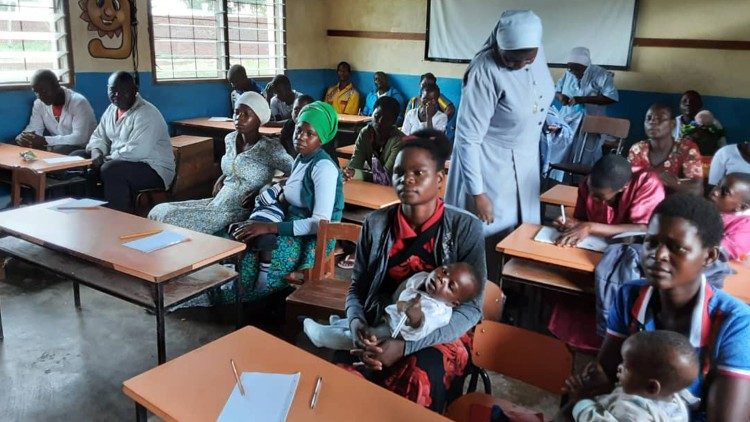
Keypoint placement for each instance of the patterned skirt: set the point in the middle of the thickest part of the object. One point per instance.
(425, 377)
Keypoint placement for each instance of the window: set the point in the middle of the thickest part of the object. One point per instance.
(200, 39)
(33, 36)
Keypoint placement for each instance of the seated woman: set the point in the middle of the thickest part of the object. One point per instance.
(428, 114)
(611, 200)
(729, 159)
(683, 238)
(377, 145)
(419, 234)
(678, 161)
(313, 192)
(248, 164)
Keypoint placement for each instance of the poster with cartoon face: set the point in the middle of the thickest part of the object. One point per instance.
(113, 19)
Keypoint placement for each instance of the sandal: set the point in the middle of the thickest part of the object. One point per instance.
(347, 263)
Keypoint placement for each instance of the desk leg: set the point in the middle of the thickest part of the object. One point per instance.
(140, 413)
(41, 187)
(238, 290)
(77, 294)
(160, 340)
(15, 189)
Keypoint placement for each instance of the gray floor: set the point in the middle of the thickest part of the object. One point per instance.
(60, 363)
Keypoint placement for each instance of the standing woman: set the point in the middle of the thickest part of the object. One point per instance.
(507, 90)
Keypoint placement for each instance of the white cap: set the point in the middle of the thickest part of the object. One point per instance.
(580, 55)
(257, 103)
(518, 29)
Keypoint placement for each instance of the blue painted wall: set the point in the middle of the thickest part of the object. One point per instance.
(185, 100)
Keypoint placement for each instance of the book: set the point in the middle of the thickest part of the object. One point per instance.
(156, 241)
(268, 397)
(550, 235)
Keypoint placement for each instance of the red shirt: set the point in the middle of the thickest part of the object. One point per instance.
(634, 205)
(57, 111)
(402, 233)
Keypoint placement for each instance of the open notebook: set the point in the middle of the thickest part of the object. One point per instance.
(267, 398)
(550, 234)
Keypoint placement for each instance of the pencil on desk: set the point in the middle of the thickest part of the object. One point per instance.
(316, 393)
(141, 234)
(237, 377)
(562, 212)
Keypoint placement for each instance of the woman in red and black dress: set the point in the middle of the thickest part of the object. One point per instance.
(419, 234)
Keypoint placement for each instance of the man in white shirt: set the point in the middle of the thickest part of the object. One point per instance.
(65, 115)
(131, 145)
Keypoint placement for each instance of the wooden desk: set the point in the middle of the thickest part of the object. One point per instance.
(560, 195)
(203, 124)
(31, 173)
(92, 236)
(520, 243)
(738, 285)
(353, 119)
(369, 195)
(195, 171)
(195, 386)
(345, 151)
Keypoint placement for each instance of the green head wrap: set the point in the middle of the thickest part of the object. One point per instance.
(323, 118)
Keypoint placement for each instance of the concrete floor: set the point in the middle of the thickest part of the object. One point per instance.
(59, 363)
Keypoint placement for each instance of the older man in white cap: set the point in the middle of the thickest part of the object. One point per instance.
(584, 89)
(507, 91)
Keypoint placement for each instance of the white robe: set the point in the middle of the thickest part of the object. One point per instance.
(496, 150)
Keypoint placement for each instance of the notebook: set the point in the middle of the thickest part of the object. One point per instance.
(76, 205)
(593, 243)
(65, 159)
(267, 398)
(156, 241)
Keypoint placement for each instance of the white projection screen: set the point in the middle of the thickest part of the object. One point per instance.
(457, 29)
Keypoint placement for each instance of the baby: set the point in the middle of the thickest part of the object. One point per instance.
(656, 369)
(732, 198)
(269, 208)
(427, 300)
(704, 132)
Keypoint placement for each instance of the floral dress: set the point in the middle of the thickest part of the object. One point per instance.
(683, 161)
(244, 172)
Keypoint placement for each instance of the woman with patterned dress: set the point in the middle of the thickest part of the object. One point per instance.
(248, 164)
(677, 161)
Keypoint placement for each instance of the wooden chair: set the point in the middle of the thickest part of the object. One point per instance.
(492, 310)
(533, 358)
(594, 125)
(321, 294)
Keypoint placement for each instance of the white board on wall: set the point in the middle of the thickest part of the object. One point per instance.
(457, 29)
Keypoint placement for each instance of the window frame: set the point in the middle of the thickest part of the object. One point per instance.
(155, 81)
(68, 44)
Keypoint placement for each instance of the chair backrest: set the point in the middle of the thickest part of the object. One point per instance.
(494, 299)
(533, 358)
(323, 266)
(619, 128)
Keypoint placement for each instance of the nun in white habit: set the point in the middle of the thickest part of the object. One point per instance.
(506, 94)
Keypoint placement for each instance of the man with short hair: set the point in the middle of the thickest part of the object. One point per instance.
(131, 146)
(240, 83)
(382, 89)
(65, 115)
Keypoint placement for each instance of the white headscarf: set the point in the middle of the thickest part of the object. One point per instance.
(580, 55)
(257, 103)
(516, 30)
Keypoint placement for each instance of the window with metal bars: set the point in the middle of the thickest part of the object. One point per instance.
(34, 34)
(201, 39)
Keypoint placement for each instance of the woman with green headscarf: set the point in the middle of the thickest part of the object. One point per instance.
(312, 193)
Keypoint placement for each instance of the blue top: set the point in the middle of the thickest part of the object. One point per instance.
(719, 331)
(373, 96)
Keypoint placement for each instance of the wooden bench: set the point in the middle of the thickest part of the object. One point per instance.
(122, 286)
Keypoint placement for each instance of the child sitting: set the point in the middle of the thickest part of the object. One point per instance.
(732, 198)
(704, 132)
(425, 298)
(611, 200)
(657, 368)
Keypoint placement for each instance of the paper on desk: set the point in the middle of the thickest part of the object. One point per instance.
(550, 234)
(268, 397)
(65, 159)
(219, 119)
(75, 205)
(157, 241)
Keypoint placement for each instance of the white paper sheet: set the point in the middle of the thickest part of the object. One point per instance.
(156, 241)
(77, 205)
(593, 243)
(219, 119)
(267, 398)
(65, 159)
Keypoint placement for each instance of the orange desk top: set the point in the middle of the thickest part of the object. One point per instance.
(94, 234)
(10, 158)
(520, 243)
(560, 195)
(353, 119)
(195, 386)
(205, 123)
(369, 195)
(738, 285)
(345, 151)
